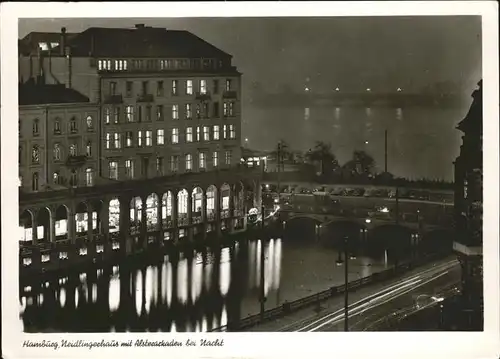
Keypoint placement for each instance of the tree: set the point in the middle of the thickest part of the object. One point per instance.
(362, 163)
(322, 155)
(281, 153)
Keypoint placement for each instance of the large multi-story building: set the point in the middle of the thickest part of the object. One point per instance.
(169, 102)
(148, 120)
(469, 211)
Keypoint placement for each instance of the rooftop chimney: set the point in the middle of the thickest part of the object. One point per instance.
(62, 45)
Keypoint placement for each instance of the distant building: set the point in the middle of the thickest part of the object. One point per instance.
(169, 102)
(469, 210)
(57, 138)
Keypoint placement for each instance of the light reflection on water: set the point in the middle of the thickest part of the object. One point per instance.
(193, 292)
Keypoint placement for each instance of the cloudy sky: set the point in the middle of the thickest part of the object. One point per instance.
(351, 52)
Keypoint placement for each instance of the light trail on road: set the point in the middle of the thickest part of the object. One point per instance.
(373, 300)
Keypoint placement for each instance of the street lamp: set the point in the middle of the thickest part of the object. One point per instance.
(346, 281)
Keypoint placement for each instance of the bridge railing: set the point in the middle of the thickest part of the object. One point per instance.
(315, 299)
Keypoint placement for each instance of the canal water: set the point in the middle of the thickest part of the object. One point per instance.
(422, 141)
(197, 291)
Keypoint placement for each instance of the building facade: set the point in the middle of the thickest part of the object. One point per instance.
(144, 146)
(469, 211)
(57, 138)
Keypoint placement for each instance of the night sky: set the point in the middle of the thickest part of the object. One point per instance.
(382, 53)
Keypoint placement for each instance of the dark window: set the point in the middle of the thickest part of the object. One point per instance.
(216, 109)
(159, 113)
(57, 126)
(145, 165)
(148, 113)
(34, 183)
(144, 87)
(73, 125)
(139, 113)
(160, 88)
(36, 129)
(112, 88)
(216, 86)
(129, 88)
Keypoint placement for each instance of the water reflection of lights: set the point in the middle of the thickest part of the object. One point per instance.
(115, 270)
(22, 305)
(268, 270)
(208, 275)
(182, 280)
(94, 293)
(27, 289)
(173, 327)
(251, 272)
(100, 272)
(197, 327)
(83, 277)
(215, 323)
(47, 284)
(29, 301)
(138, 292)
(156, 283)
(148, 288)
(114, 293)
(277, 263)
(62, 297)
(204, 325)
(223, 317)
(197, 278)
(77, 297)
(225, 271)
(40, 299)
(256, 260)
(166, 286)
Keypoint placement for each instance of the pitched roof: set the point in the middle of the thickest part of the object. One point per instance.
(146, 41)
(33, 94)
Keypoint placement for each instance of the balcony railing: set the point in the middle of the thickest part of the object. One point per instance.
(113, 99)
(203, 96)
(230, 94)
(211, 216)
(182, 221)
(146, 97)
(224, 213)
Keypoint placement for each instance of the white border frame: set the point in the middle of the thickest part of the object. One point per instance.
(245, 345)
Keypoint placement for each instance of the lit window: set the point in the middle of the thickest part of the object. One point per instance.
(55, 177)
(90, 123)
(129, 110)
(160, 88)
(231, 109)
(129, 169)
(72, 150)
(206, 133)
(232, 132)
(189, 162)
(117, 140)
(148, 114)
(160, 136)
(189, 134)
(113, 170)
(89, 177)
(174, 87)
(53, 45)
(107, 115)
(216, 132)
(228, 85)
(203, 160)
(43, 46)
(116, 114)
(189, 111)
(203, 86)
(129, 138)
(175, 135)
(224, 132)
(198, 133)
(125, 62)
(149, 138)
(100, 65)
(57, 152)
(108, 140)
(139, 138)
(175, 112)
(88, 149)
(228, 157)
(215, 158)
(189, 87)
